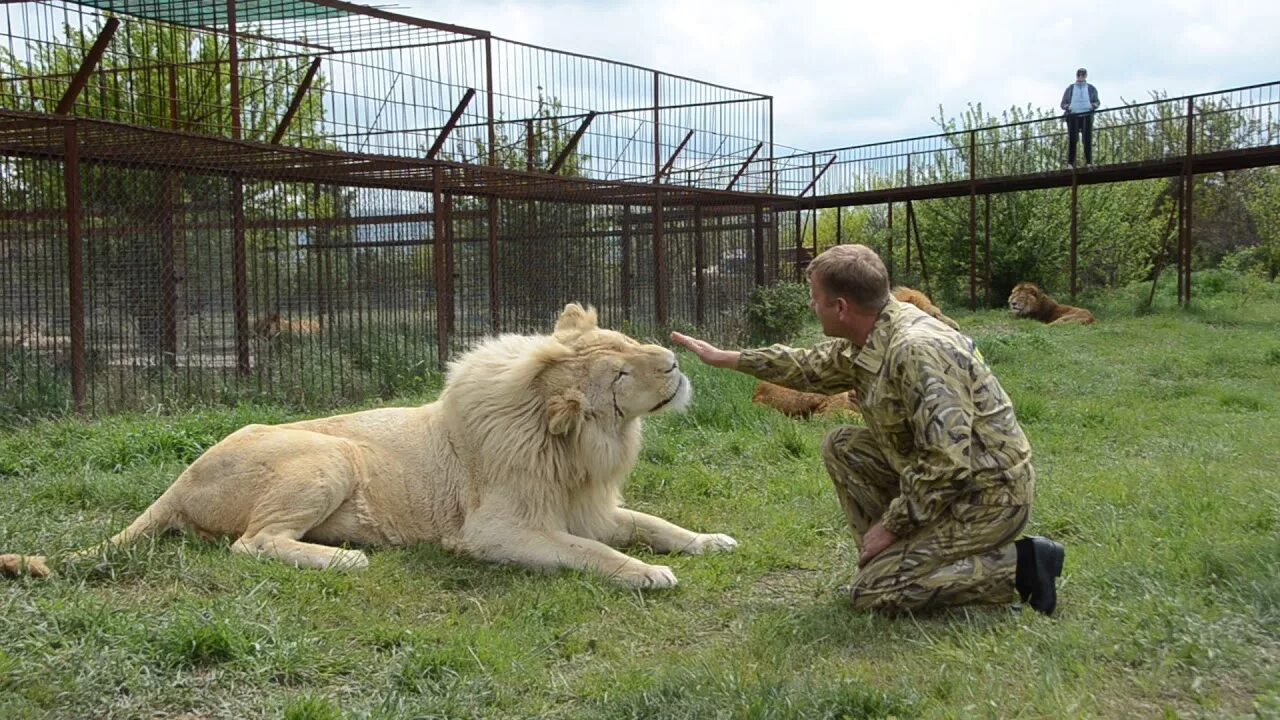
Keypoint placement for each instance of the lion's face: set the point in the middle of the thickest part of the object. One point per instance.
(1025, 299)
(611, 375)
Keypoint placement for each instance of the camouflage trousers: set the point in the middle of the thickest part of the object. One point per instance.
(965, 557)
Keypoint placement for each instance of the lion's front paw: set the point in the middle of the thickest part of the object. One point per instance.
(711, 542)
(647, 577)
(349, 560)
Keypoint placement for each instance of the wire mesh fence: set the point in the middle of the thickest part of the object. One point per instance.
(319, 202)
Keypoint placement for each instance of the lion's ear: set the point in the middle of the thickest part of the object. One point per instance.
(575, 319)
(565, 411)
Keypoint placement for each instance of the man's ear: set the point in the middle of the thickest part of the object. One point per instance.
(565, 411)
(575, 320)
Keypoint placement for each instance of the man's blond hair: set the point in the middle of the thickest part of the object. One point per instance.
(853, 272)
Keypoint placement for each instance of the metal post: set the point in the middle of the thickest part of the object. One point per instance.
(233, 53)
(1190, 190)
(446, 208)
(839, 227)
(906, 236)
(75, 263)
(757, 249)
(889, 249)
(813, 213)
(659, 263)
(495, 285)
(626, 262)
(799, 247)
(171, 197)
(699, 266)
(973, 220)
(1074, 231)
(438, 265)
(240, 276)
(986, 248)
(1182, 229)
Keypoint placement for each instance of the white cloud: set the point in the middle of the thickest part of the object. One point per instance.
(846, 73)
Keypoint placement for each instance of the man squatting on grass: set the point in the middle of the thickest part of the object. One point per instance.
(939, 482)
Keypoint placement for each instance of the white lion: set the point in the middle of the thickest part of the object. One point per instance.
(521, 460)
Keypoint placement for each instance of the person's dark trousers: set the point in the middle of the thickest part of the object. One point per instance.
(1081, 124)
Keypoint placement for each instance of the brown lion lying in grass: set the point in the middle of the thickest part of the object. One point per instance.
(1028, 300)
(922, 301)
(800, 404)
(270, 327)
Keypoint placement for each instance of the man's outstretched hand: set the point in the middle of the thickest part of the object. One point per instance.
(706, 352)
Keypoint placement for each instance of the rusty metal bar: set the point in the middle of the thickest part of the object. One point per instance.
(973, 220)
(699, 269)
(446, 209)
(530, 145)
(1190, 190)
(240, 276)
(986, 248)
(660, 281)
(757, 250)
(814, 182)
(911, 216)
(451, 122)
(666, 168)
(745, 165)
(490, 115)
(799, 248)
(495, 287)
(913, 226)
(889, 249)
(438, 265)
(233, 53)
(296, 102)
(1075, 236)
(91, 60)
(171, 198)
(657, 122)
(75, 263)
(626, 262)
(1182, 228)
(374, 12)
(569, 147)
(813, 213)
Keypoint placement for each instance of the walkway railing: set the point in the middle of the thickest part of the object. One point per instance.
(1221, 123)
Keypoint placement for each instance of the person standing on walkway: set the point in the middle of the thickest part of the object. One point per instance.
(1079, 103)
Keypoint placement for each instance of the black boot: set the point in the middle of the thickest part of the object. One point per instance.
(1039, 565)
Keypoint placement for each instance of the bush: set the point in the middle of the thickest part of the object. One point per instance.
(776, 313)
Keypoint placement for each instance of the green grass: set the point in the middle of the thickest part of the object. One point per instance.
(1157, 438)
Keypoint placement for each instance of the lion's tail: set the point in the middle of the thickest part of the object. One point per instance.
(160, 516)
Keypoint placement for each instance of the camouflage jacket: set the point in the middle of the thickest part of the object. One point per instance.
(932, 405)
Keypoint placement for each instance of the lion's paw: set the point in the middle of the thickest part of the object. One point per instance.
(711, 542)
(648, 577)
(349, 560)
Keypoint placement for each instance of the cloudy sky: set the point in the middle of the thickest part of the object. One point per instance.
(845, 73)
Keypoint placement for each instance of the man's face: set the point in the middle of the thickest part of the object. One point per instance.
(1080, 77)
(828, 310)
